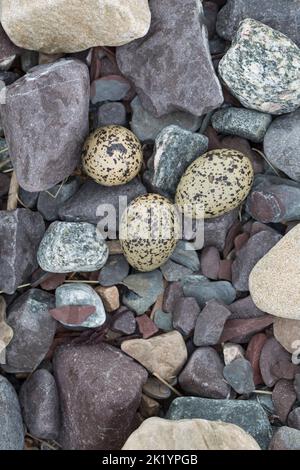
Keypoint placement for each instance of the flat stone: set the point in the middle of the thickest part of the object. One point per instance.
(86, 205)
(249, 415)
(111, 386)
(294, 418)
(253, 353)
(173, 272)
(172, 294)
(156, 389)
(204, 290)
(34, 330)
(210, 324)
(224, 273)
(21, 231)
(81, 294)
(274, 281)
(210, 262)
(124, 322)
(244, 308)
(163, 320)
(246, 258)
(146, 326)
(190, 84)
(144, 289)
(110, 88)
(58, 30)
(161, 434)
(278, 14)
(164, 355)
(45, 120)
(231, 352)
(186, 255)
(245, 123)
(281, 143)
(40, 405)
(11, 423)
(241, 330)
(185, 315)
(71, 246)
(50, 201)
(284, 397)
(111, 114)
(203, 375)
(147, 127)
(216, 229)
(285, 439)
(110, 297)
(287, 333)
(239, 375)
(115, 271)
(273, 354)
(259, 56)
(72, 314)
(274, 199)
(175, 150)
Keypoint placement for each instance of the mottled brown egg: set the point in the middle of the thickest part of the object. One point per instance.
(214, 184)
(149, 231)
(112, 155)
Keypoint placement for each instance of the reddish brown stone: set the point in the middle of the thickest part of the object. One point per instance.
(253, 355)
(53, 281)
(234, 230)
(72, 314)
(185, 315)
(283, 396)
(210, 262)
(225, 270)
(275, 363)
(146, 326)
(240, 331)
(240, 240)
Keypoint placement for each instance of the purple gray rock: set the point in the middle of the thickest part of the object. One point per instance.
(283, 15)
(11, 423)
(40, 405)
(114, 271)
(50, 201)
(111, 88)
(175, 77)
(111, 113)
(216, 229)
(172, 295)
(45, 120)
(210, 17)
(124, 322)
(185, 315)
(284, 398)
(203, 375)
(244, 308)
(85, 204)
(239, 375)
(34, 330)
(274, 355)
(285, 439)
(294, 418)
(21, 231)
(210, 324)
(246, 258)
(174, 272)
(273, 199)
(100, 391)
(282, 143)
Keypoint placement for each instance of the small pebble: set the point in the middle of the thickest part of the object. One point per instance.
(294, 419)
(241, 330)
(210, 262)
(283, 397)
(124, 322)
(186, 255)
(146, 326)
(204, 290)
(156, 389)
(231, 352)
(253, 353)
(239, 375)
(163, 320)
(114, 272)
(111, 114)
(185, 315)
(285, 439)
(172, 294)
(110, 297)
(110, 88)
(144, 289)
(173, 272)
(210, 323)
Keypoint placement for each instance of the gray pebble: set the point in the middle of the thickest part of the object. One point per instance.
(144, 289)
(114, 272)
(111, 113)
(210, 324)
(173, 272)
(50, 201)
(109, 89)
(163, 320)
(239, 375)
(186, 255)
(204, 290)
(11, 423)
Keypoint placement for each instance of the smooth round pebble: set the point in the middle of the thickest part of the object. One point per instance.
(112, 155)
(214, 184)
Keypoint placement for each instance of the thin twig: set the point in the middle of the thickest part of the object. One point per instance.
(266, 159)
(68, 281)
(12, 200)
(167, 384)
(262, 392)
(43, 442)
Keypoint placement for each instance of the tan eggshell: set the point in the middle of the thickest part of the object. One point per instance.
(214, 184)
(112, 155)
(147, 249)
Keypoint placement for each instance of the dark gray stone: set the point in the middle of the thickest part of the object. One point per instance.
(144, 288)
(147, 127)
(83, 206)
(285, 439)
(175, 150)
(100, 387)
(204, 290)
(111, 88)
(294, 419)
(8, 77)
(111, 113)
(210, 17)
(185, 315)
(114, 272)
(282, 142)
(203, 375)
(245, 308)
(247, 123)
(216, 229)
(40, 405)
(34, 330)
(247, 414)
(50, 201)
(27, 198)
(29, 59)
(172, 294)
(45, 120)
(20, 233)
(283, 15)
(124, 322)
(72, 246)
(210, 324)
(186, 255)
(246, 258)
(163, 320)
(176, 77)
(173, 272)
(239, 375)
(11, 423)
(4, 184)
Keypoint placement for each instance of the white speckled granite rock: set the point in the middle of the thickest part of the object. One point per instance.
(262, 69)
(81, 294)
(275, 279)
(247, 123)
(72, 246)
(45, 120)
(73, 25)
(167, 73)
(11, 423)
(282, 144)
(189, 434)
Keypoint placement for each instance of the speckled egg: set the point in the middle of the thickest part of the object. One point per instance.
(214, 184)
(112, 155)
(149, 231)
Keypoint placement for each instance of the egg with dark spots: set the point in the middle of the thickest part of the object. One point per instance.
(112, 155)
(214, 184)
(149, 231)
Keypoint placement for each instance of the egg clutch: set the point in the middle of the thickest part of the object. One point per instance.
(215, 183)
